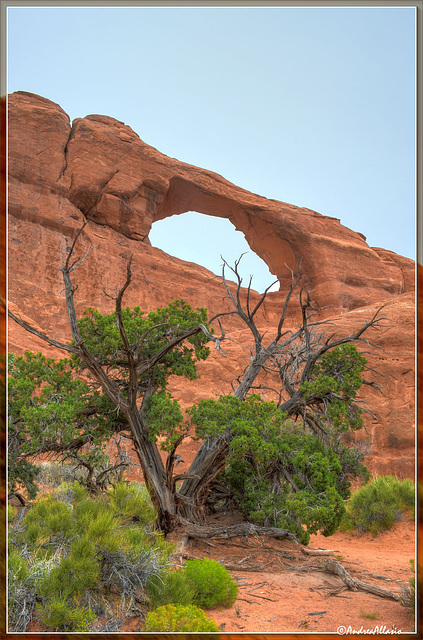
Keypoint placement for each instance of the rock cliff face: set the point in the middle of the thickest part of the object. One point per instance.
(100, 168)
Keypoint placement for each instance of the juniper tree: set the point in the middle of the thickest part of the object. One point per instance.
(128, 356)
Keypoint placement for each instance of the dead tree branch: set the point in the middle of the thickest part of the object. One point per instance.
(331, 566)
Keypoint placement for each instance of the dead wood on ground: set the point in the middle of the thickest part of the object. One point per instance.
(331, 566)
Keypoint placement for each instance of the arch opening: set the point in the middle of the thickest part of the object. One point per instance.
(203, 239)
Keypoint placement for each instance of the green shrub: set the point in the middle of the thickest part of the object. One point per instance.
(378, 504)
(11, 513)
(17, 566)
(178, 618)
(69, 548)
(61, 616)
(49, 517)
(172, 588)
(408, 595)
(96, 519)
(23, 574)
(132, 500)
(74, 574)
(213, 585)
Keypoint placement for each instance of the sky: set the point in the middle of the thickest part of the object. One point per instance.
(310, 106)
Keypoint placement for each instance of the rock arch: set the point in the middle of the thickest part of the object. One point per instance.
(183, 195)
(101, 167)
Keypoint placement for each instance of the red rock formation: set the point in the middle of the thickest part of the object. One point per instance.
(100, 168)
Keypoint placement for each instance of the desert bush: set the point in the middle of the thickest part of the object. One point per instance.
(60, 615)
(132, 500)
(25, 570)
(130, 571)
(68, 549)
(52, 474)
(378, 504)
(21, 594)
(48, 517)
(212, 584)
(179, 618)
(408, 595)
(11, 513)
(171, 588)
(205, 583)
(74, 574)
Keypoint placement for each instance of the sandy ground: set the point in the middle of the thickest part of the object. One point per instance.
(283, 598)
(282, 590)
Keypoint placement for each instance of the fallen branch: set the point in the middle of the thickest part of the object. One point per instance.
(356, 585)
(256, 569)
(256, 595)
(234, 530)
(317, 552)
(249, 601)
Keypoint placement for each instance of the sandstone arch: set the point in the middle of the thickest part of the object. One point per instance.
(100, 167)
(274, 250)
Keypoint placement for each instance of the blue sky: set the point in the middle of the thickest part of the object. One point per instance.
(311, 106)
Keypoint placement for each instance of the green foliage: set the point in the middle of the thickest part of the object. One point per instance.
(205, 583)
(153, 331)
(74, 574)
(371, 615)
(11, 513)
(165, 419)
(408, 595)
(69, 547)
(59, 615)
(378, 504)
(334, 383)
(213, 585)
(48, 518)
(50, 409)
(279, 474)
(171, 588)
(179, 618)
(132, 500)
(17, 566)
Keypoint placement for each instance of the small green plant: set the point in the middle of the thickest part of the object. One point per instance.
(49, 517)
(62, 616)
(179, 618)
(172, 588)
(11, 513)
(132, 500)
(378, 504)
(69, 550)
(213, 585)
(74, 574)
(408, 595)
(371, 615)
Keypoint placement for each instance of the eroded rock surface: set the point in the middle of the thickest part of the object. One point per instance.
(99, 168)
